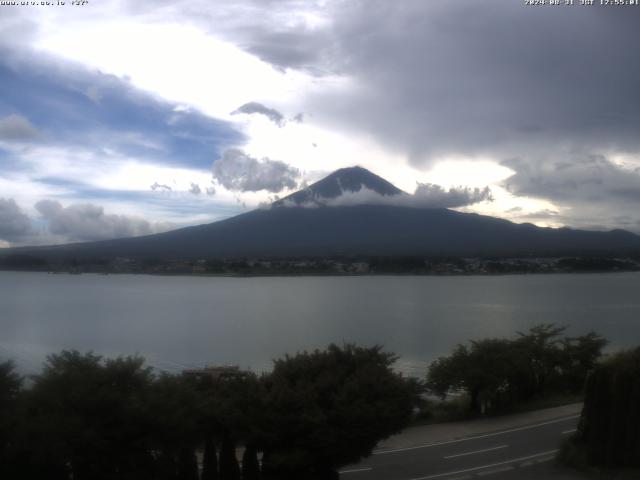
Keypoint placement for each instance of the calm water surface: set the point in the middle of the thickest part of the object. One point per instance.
(176, 322)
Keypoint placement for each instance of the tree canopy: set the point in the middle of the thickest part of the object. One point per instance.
(497, 373)
(330, 408)
(88, 417)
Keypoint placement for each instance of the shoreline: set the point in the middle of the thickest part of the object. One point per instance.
(318, 274)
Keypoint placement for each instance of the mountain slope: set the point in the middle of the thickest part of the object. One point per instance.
(296, 231)
(357, 230)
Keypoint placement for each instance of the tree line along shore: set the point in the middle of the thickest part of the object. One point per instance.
(363, 265)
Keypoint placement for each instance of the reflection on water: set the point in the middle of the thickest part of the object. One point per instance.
(177, 322)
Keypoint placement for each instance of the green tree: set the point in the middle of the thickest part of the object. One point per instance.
(177, 409)
(498, 373)
(483, 370)
(329, 408)
(446, 374)
(88, 418)
(232, 410)
(580, 357)
(540, 348)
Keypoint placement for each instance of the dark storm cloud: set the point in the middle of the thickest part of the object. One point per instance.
(439, 77)
(589, 191)
(14, 223)
(254, 107)
(299, 48)
(238, 171)
(86, 222)
(589, 178)
(489, 77)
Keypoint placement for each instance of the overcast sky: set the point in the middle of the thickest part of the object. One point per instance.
(123, 118)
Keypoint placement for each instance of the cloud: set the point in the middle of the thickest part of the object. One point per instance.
(195, 189)
(160, 186)
(80, 107)
(14, 224)
(539, 214)
(424, 80)
(426, 196)
(470, 78)
(17, 128)
(455, 197)
(433, 80)
(237, 171)
(288, 34)
(254, 107)
(588, 190)
(588, 178)
(87, 222)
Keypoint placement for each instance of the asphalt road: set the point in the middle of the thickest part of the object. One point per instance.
(507, 454)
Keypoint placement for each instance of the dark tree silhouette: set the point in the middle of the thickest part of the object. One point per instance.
(88, 417)
(232, 412)
(85, 417)
(608, 429)
(498, 373)
(209, 460)
(187, 464)
(10, 385)
(229, 468)
(250, 465)
(329, 408)
(176, 428)
(482, 370)
(581, 356)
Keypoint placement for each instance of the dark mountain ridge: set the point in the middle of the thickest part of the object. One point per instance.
(373, 230)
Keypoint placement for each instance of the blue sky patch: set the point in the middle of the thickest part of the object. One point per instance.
(73, 107)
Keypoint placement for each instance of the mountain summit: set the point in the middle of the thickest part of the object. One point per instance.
(345, 180)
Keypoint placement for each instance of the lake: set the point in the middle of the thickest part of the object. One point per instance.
(178, 322)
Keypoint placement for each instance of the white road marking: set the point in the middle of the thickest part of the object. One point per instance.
(566, 432)
(473, 469)
(355, 470)
(477, 451)
(466, 439)
(506, 468)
